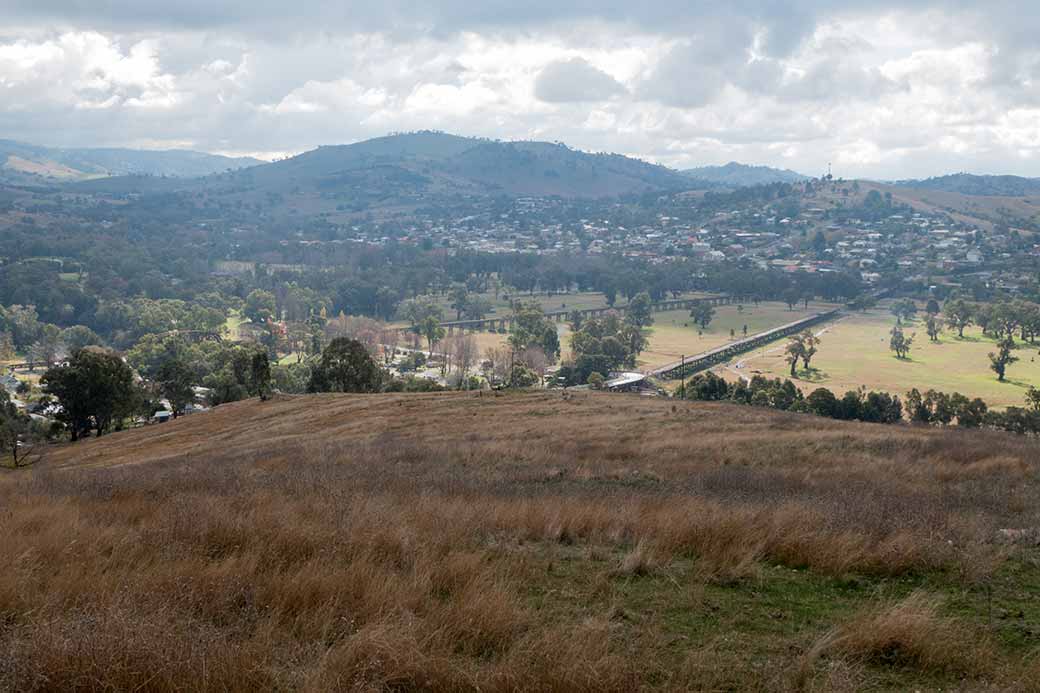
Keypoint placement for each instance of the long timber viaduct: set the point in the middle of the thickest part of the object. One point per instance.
(706, 360)
(505, 322)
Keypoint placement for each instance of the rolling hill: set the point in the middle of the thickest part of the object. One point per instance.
(738, 175)
(429, 163)
(28, 163)
(521, 541)
(968, 184)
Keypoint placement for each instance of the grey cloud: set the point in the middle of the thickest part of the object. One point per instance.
(785, 25)
(743, 76)
(575, 80)
(694, 72)
(405, 18)
(837, 81)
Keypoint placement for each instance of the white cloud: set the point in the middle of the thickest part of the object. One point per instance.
(881, 89)
(575, 80)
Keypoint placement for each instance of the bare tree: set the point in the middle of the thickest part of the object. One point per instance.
(21, 446)
(388, 339)
(534, 358)
(446, 347)
(299, 338)
(496, 364)
(465, 354)
(7, 352)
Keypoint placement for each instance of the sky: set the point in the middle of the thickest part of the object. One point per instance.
(891, 90)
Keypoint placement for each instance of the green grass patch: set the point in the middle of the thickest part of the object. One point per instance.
(231, 325)
(854, 352)
(762, 624)
(674, 333)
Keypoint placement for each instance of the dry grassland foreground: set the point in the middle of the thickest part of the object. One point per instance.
(521, 542)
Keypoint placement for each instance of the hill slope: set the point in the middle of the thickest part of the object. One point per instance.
(526, 541)
(429, 163)
(21, 162)
(741, 175)
(968, 184)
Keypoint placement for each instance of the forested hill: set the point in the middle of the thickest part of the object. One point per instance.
(28, 163)
(427, 168)
(968, 184)
(738, 175)
(434, 162)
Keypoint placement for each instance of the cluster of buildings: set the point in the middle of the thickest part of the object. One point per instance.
(801, 238)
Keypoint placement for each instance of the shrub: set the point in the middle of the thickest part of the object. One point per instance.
(911, 632)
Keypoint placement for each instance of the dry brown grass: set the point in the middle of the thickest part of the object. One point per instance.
(393, 542)
(909, 633)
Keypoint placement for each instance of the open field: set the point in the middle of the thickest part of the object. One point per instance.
(549, 302)
(491, 340)
(674, 334)
(231, 325)
(522, 542)
(854, 351)
(494, 340)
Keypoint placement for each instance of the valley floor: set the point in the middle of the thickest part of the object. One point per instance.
(854, 352)
(527, 541)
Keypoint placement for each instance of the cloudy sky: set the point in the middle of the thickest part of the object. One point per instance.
(882, 89)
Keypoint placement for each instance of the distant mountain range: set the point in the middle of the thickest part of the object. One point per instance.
(413, 169)
(29, 163)
(968, 184)
(742, 176)
(425, 163)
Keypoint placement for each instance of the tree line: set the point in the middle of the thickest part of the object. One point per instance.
(931, 407)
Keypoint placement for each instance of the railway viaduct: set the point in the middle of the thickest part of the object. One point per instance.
(707, 359)
(504, 323)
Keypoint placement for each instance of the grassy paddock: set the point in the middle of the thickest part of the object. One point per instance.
(520, 542)
(550, 303)
(231, 325)
(854, 351)
(674, 332)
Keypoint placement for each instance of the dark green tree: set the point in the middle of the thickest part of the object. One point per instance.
(175, 380)
(94, 388)
(640, 311)
(1003, 358)
(904, 310)
(459, 300)
(260, 306)
(260, 374)
(430, 330)
(958, 314)
(345, 366)
(900, 343)
(703, 313)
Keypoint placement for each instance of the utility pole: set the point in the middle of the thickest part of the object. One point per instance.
(682, 374)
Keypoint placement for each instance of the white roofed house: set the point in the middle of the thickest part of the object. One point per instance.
(625, 382)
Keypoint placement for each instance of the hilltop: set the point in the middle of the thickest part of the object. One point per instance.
(525, 541)
(399, 174)
(422, 164)
(968, 184)
(29, 163)
(741, 175)
(436, 175)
